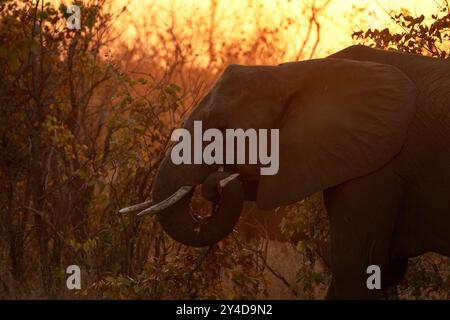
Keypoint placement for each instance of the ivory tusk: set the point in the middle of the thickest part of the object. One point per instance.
(225, 181)
(136, 207)
(167, 202)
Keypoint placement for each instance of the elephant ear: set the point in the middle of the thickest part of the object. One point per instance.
(343, 119)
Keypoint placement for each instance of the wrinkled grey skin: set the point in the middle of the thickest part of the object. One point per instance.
(370, 128)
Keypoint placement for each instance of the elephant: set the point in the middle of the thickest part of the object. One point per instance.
(369, 128)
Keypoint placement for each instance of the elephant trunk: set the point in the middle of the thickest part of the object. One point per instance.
(178, 220)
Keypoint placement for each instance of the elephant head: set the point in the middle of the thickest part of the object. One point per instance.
(338, 119)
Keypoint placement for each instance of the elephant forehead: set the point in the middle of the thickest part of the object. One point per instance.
(248, 82)
(245, 111)
(246, 97)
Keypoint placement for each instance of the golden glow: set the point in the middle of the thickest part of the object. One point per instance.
(233, 20)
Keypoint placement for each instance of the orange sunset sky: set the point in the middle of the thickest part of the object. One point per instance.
(234, 18)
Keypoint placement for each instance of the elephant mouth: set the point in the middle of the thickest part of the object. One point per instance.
(177, 215)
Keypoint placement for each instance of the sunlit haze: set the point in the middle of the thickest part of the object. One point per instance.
(233, 19)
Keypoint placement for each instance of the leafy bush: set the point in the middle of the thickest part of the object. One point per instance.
(413, 34)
